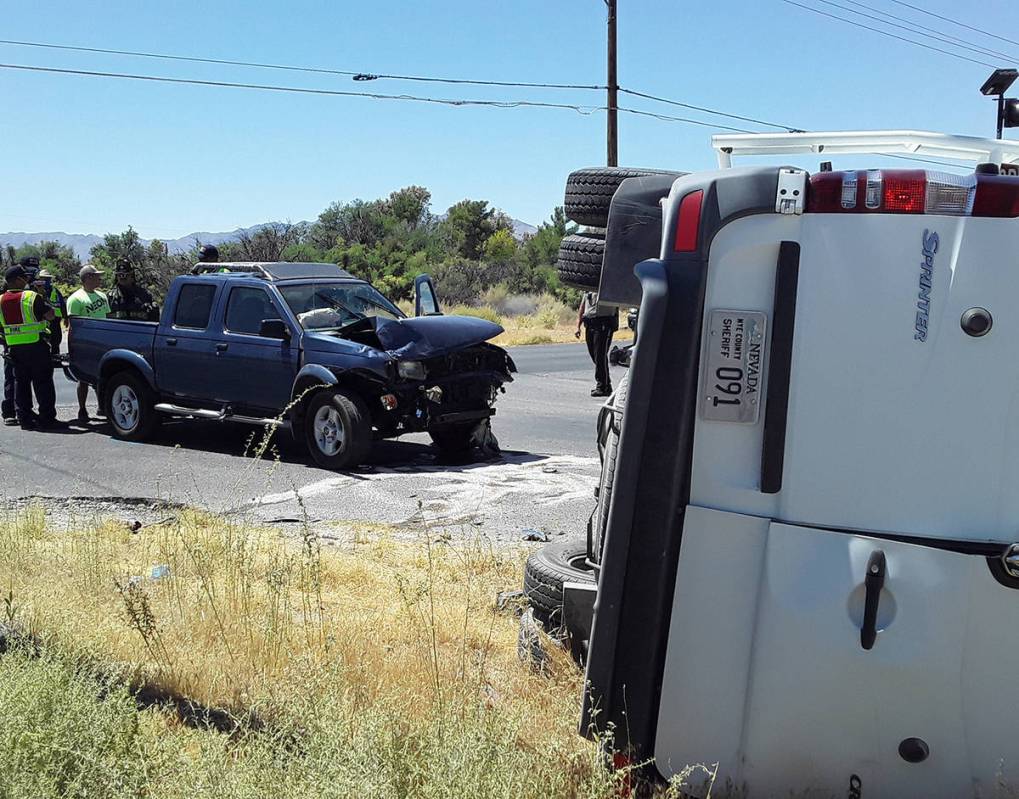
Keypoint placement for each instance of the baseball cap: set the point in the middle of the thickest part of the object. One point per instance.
(44, 275)
(29, 260)
(87, 270)
(16, 272)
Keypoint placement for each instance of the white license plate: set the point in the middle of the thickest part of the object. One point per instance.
(734, 366)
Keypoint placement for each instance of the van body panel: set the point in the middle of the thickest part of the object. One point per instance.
(774, 684)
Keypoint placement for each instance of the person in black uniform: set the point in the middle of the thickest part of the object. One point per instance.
(25, 318)
(600, 322)
(128, 300)
(208, 254)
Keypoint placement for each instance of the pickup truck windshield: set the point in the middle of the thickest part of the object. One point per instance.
(331, 306)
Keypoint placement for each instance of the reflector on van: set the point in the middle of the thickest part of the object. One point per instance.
(913, 191)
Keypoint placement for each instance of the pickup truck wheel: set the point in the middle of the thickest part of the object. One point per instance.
(454, 439)
(130, 407)
(589, 192)
(580, 260)
(338, 429)
(546, 571)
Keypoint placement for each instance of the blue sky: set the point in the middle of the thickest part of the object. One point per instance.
(92, 155)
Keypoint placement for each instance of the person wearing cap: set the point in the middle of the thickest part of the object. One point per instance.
(208, 254)
(128, 300)
(24, 319)
(90, 302)
(43, 284)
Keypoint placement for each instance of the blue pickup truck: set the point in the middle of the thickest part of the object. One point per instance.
(303, 346)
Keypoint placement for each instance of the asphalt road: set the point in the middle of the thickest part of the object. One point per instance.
(543, 480)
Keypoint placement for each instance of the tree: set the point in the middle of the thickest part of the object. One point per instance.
(116, 246)
(542, 248)
(410, 206)
(469, 224)
(56, 258)
(357, 222)
(270, 241)
(501, 246)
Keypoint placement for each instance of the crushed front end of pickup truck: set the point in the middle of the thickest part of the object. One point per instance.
(444, 374)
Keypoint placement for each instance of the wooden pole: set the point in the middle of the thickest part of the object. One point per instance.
(612, 132)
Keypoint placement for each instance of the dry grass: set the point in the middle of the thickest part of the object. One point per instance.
(386, 664)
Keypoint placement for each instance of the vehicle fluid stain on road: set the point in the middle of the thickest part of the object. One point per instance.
(501, 493)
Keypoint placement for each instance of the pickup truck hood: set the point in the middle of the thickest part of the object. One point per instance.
(421, 337)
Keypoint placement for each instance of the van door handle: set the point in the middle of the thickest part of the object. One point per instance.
(874, 582)
(221, 347)
(171, 342)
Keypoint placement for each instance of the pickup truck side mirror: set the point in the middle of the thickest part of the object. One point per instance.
(274, 328)
(425, 301)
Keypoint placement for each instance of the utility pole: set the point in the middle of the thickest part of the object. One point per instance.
(612, 132)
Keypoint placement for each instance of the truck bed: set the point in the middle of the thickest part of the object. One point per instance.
(89, 341)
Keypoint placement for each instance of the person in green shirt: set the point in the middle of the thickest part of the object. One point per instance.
(87, 301)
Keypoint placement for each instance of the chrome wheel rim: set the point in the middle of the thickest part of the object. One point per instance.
(328, 430)
(125, 408)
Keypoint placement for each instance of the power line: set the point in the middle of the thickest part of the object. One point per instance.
(961, 41)
(890, 35)
(361, 76)
(956, 22)
(370, 95)
(953, 41)
(369, 76)
(635, 93)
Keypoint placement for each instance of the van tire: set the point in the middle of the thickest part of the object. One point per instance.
(333, 413)
(610, 451)
(130, 406)
(589, 192)
(580, 260)
(546, 571)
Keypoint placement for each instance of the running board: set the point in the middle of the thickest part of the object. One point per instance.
(217, 416)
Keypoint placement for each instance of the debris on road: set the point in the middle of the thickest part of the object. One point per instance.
(532, 534)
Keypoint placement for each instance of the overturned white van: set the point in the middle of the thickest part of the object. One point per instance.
(808, 573)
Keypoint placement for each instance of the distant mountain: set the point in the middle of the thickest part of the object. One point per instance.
(82, 243)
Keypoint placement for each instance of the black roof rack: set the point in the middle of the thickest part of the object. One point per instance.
(282, 270)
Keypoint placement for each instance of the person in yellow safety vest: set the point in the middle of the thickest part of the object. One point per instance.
(43, 284)
(24, 320)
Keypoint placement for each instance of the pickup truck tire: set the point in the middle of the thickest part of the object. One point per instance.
(609, 446)
(338, 429)
(130, 406)
(546, 571)
(589, 192)
(454, 439)
(580, 260)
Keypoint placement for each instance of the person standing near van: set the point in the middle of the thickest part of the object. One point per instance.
(90, 302)
(600, 322)
(25, 318)
(43, 284)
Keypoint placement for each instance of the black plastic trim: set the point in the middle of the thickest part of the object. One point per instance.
(637, 580)
(783, 325)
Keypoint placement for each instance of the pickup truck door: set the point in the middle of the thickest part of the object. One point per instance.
(251, 370)
(183, 349)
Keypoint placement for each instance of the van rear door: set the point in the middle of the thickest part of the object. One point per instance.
(783, 684)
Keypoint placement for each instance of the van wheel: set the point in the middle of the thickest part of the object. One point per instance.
(589, 192)
(130, 406)
(580, 260)
(337, 429)
(609, 447)
(546, 571)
